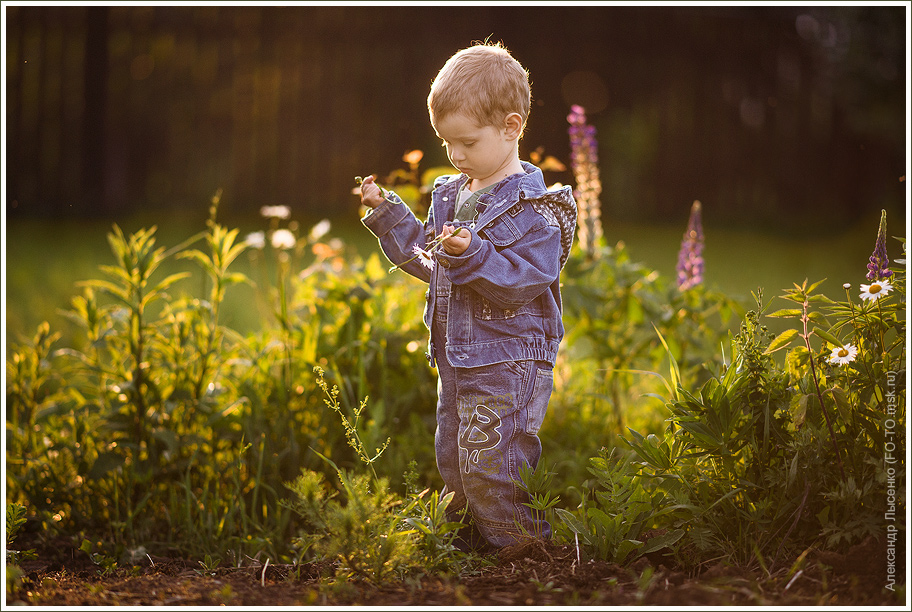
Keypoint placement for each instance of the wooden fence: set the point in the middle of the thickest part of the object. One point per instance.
(758, 112)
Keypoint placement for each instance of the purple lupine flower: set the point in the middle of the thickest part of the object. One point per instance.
(583, 144)
(584, 162)
(690, 257)
(879, 263)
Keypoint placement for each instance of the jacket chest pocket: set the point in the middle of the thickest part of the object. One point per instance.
(484, 310)
(502, 232)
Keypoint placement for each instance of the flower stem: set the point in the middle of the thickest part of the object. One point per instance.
(883, 346)
(432, 247)
(807, 343)
(383, 191)
(858, 336)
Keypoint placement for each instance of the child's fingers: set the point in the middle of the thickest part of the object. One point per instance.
(371, 195)
(449, 230)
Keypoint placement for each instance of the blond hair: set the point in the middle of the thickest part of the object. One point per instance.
(483, 82)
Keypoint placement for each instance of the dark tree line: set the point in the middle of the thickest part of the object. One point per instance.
(772, 115)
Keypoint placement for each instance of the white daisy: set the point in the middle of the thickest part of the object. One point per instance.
(283, 239)
(424, 257)
(277, 212)
(319, 230)
(876, 290)
(256, 240)
(842, 355)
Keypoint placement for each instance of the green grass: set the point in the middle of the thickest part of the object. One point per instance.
(45, 260)
(739, 261)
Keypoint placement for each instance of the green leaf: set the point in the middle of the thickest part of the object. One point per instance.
(108, 288)
(842, 403)
(86, 546)
(419, 525)
(817, 317)
(827, 336)
(170, 280)
(786, 312)
(236, 278)
(674, 371)
(824, 516)
(575, 524)
(201, 258)
(600, 519)
(781, 341)
(815, 285)
(662, 541)
(625, 548)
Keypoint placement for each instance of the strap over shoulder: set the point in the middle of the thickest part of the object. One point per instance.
(559, 208)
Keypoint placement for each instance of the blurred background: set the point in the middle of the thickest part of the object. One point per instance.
(788, 123)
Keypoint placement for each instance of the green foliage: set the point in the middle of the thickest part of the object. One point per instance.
(15, 519)
(612, 309)
(105, 563)
(366, 529)
(164, 427)
(350, 426)
(362, 534)
(538, 483)
(437, 552)
(770, 458)
(167, 428)
(617, 513)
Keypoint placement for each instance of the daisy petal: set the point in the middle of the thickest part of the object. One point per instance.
(423, 257)
(876, 290)
(842, 355)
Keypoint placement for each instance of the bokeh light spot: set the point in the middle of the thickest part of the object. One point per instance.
(585, 88)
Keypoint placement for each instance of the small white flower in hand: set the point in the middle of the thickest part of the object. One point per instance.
(423, 257)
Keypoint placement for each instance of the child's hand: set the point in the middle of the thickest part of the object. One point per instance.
(455, 243)
(371, 193)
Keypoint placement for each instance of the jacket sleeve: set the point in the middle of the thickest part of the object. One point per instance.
(399, 230)
(516, 261)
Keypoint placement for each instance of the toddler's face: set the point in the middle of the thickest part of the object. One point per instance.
(483, 153)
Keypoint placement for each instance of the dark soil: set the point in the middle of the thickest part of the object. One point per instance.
(527, 574)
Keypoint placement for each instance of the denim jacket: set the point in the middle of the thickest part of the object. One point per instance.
(504, 300)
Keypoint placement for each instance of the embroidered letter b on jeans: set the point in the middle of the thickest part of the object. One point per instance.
(499, 410)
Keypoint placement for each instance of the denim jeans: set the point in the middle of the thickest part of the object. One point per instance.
(488, 419)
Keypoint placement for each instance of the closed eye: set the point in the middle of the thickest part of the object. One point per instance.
(469, 143)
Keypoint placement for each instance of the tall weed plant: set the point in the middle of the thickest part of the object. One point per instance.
(612, 309)
(770, 457)
(168, 429)
(370, 532)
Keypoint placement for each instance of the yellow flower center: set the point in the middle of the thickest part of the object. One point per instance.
(874, 289)
(843, 352)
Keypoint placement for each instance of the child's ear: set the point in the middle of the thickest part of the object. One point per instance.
(513, 126)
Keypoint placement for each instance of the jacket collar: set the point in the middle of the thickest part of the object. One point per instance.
(491, 205)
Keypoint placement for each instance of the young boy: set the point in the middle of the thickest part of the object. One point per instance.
(493, 308)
